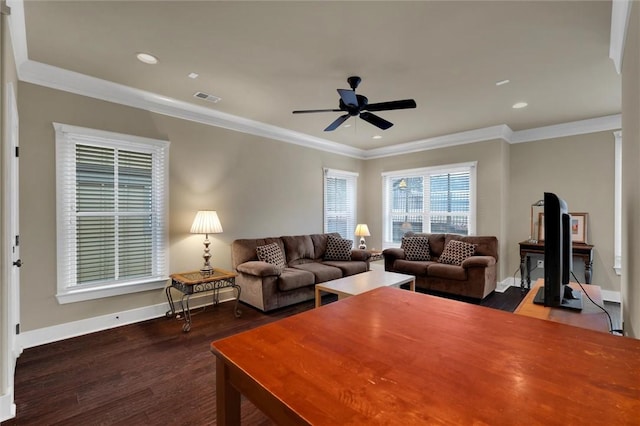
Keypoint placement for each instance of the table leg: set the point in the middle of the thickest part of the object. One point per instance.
(587, 271)
(186, 313)
(172, 309)
(522, 257)
(237, 312)
(528, 261)
(412, 285)
(318, 298)
(227, 397)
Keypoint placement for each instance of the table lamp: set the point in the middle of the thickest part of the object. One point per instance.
(362, 230)
(206, 222)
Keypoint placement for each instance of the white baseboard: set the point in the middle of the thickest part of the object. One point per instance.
(7, 406)
(607, 295)
(41, 336)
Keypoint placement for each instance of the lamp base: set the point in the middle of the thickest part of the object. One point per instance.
(206, 271)
(363, 245)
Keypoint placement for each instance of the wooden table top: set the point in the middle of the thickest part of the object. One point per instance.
(390, 356)
(590, 317)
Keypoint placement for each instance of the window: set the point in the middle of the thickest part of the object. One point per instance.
(340, 189)
(430, 200)
(111, 206)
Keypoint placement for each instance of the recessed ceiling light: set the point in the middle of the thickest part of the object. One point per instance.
(193, 75)
(147, 58)
(519, 105)
(347, 125)
(501, 82)
(377, 137)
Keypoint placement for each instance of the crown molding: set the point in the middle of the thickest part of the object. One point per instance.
(478, 135)
(620, 12)
(592, 125)
(81, 84)
(84, 85)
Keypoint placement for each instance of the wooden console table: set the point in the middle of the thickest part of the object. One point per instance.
(527, 248)
(590, 317)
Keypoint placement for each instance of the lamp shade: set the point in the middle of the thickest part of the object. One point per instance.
(206, 222)
(362, 230)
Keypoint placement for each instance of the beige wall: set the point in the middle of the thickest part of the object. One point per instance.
(580, 169)
(491, 185)
(259, 187)
(631, 177)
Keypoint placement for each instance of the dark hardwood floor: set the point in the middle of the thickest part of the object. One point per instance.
(145, 373)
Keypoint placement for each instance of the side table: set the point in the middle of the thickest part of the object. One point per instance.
(189, 283)
(527, 248)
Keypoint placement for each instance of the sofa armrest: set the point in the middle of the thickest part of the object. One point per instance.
(478, 261)
(393, 253)
(361, 255)
(259, 268)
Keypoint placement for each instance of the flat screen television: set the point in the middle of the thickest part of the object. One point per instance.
(558, 257)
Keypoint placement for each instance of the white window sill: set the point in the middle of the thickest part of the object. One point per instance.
(72, 295)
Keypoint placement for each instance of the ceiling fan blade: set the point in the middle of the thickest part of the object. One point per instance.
(338, 121)
(386, 106)
(304, 111)
(348, 97)
(375, 120)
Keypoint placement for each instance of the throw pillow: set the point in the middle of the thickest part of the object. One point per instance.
(416, 248)
(338, 249)
(271, 253)
(457, 251)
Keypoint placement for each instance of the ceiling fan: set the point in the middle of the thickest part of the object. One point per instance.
(358, 105)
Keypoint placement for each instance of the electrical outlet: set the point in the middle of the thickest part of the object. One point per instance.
(540, 264)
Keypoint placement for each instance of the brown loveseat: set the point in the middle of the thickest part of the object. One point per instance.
(266, 286)
(475, 277)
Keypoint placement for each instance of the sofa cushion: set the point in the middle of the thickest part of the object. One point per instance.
(416, 248)
(298, 249)
(411, 267)
(321, 271)
(347, 267)
(456, 251)
(338, 249)
(450, 272)
(271, 253)
(292, 278)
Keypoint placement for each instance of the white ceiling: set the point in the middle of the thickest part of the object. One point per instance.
(265, 59)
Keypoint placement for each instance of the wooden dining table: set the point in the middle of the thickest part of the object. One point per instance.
(390, 356)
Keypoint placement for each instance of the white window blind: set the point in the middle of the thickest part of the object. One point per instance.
(429, 200)
(340, 192)
(112, 206)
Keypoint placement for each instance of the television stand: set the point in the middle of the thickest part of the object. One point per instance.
(590, 316)
(573, 302)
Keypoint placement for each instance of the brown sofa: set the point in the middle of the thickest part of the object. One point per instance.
(267, 287)
(474, 278)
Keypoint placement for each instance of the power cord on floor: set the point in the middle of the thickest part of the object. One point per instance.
(611, 329)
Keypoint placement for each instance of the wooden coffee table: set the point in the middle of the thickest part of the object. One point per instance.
(360, 283)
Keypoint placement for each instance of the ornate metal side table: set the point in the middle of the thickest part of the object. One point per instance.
(189, 283)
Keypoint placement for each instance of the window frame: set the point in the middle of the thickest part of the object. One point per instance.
(352, 179)
(67, 138)
(387, 227)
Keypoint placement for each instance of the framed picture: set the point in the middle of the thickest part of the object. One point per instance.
(541, 226)
(578, 227)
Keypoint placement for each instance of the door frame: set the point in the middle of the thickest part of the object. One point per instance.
(11, 307)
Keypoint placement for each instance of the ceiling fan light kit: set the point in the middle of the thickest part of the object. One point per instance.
(358, 105)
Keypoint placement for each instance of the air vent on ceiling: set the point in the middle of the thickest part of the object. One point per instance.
(207, 97)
